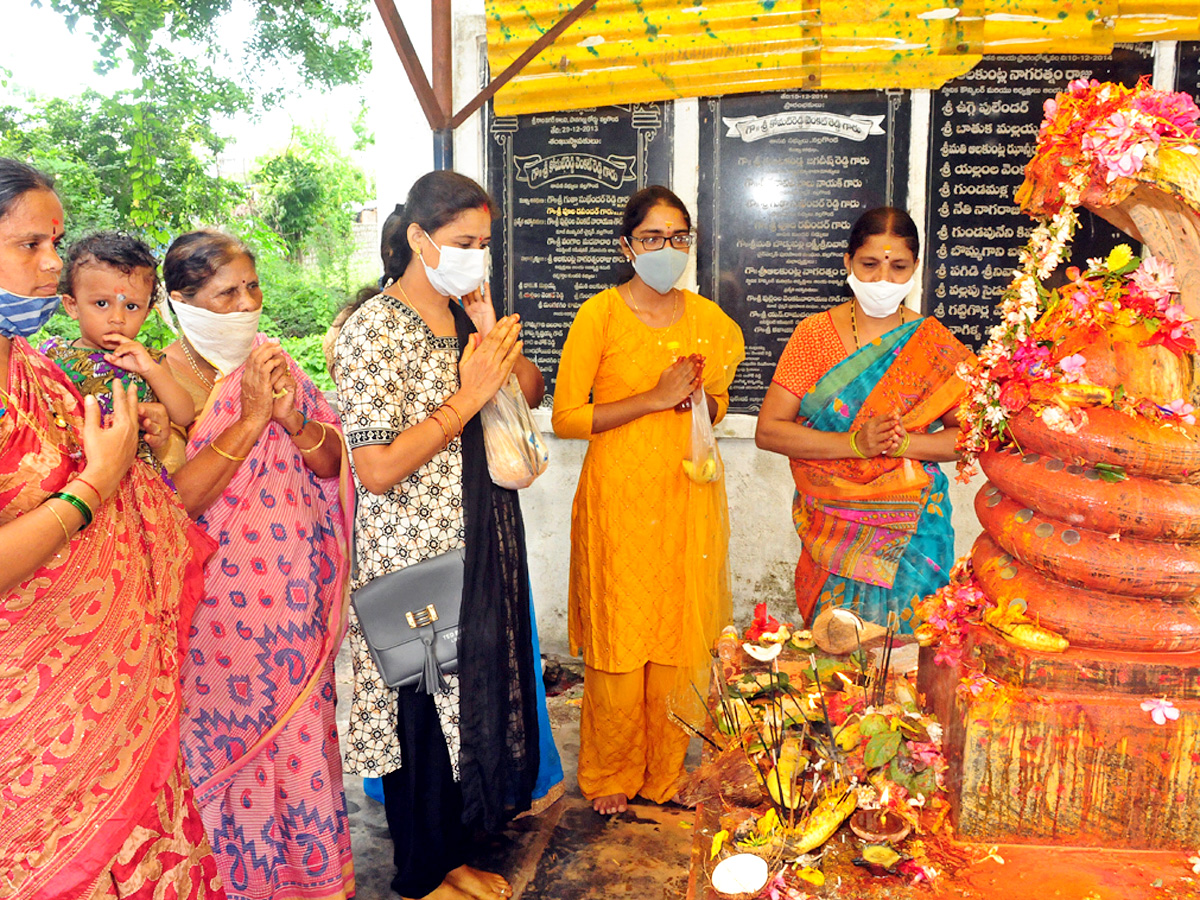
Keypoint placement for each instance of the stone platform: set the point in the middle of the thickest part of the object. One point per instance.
(1062, 752)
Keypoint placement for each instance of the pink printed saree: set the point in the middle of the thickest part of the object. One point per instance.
(258, 729)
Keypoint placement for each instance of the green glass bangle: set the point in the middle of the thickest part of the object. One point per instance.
(84, 509)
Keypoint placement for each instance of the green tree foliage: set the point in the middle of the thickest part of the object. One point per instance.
(86, 143)
(173, 46)
(307, 192)
(143, 160)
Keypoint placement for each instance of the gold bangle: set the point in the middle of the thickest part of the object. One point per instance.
(450, 406)
(446, 438)
(317, 446)
(903, 445)
(54, 512)
(854, 445)
(228, 456)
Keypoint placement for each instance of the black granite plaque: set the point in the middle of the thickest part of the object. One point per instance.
(783, 176)
(561, 180)
(1187, 68)
(983, 131)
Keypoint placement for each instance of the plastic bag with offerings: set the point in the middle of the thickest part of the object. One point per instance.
(703, 462)
(516, 451)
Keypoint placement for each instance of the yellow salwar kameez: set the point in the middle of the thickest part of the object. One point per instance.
(648, 580)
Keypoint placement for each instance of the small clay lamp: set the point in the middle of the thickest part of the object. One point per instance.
(876, 826)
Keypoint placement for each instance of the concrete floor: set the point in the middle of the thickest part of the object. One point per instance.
(566, 853)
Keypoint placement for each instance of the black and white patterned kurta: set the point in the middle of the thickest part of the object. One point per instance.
(393, 372)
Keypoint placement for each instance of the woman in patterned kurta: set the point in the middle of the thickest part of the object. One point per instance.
(412, 374)
(264, 458)
(852, 404)
(94, 795)
(648, 584)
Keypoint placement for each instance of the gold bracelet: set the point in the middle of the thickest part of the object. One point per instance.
(317, 446)
(450, 406)
(54, 512)
(446, 438)
(228, 456)
(854, 445)
(903, 445)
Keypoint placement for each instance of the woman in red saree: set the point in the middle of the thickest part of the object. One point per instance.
(100, 565)
(264, 458)
(864, 403)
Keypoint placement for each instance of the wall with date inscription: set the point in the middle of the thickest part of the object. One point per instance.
(775, 182)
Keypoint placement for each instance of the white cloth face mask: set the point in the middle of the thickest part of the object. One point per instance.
(223, 339)
(879, 299)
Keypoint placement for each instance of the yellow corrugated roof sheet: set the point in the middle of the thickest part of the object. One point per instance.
(636, 51)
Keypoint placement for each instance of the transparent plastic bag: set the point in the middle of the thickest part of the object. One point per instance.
(516, 451)
(703, 462)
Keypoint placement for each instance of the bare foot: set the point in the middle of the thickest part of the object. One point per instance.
(610, 804)
(444, 891)
(479, 884)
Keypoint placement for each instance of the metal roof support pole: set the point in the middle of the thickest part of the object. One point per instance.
(411, 62)
(437, 101)
(443, 81)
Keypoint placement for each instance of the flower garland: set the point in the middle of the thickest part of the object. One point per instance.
(1092, 134)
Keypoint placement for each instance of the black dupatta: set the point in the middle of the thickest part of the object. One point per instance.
(498, 765)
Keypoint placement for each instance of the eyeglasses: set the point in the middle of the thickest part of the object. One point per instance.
(656, 241)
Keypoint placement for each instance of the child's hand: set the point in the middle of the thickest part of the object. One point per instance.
(130, 356)
(155, 424)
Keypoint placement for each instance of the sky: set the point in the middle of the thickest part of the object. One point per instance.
(55, 62)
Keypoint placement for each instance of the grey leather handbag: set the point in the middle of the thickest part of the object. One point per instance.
(410, 621)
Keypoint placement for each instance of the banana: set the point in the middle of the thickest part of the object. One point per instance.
(825, 819)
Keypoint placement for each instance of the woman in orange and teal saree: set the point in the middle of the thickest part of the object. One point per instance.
(863, 404)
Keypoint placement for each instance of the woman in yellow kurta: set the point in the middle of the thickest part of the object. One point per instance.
(648, 588)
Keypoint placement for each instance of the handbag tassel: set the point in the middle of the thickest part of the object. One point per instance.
(431, 681)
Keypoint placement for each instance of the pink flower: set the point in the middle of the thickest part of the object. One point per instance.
(1182, 410)
(924, 752)
(947, 655)
(1155, 277)
(1175, 110)
(1175, 314)
(1072, 367)
(1160, 710)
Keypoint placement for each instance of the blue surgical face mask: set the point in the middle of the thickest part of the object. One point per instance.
(660, 269)
(23, 316)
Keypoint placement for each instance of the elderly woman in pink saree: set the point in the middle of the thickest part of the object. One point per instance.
(264, 478)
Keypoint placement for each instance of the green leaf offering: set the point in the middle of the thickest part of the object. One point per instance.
(881, 748)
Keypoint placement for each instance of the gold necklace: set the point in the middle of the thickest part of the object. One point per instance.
(638, 312)
(404, 297)
(195, 368)
(854, 322)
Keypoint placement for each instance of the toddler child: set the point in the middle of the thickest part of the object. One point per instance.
(109, 285)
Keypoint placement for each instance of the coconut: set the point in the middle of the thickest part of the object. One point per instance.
(741, 875)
